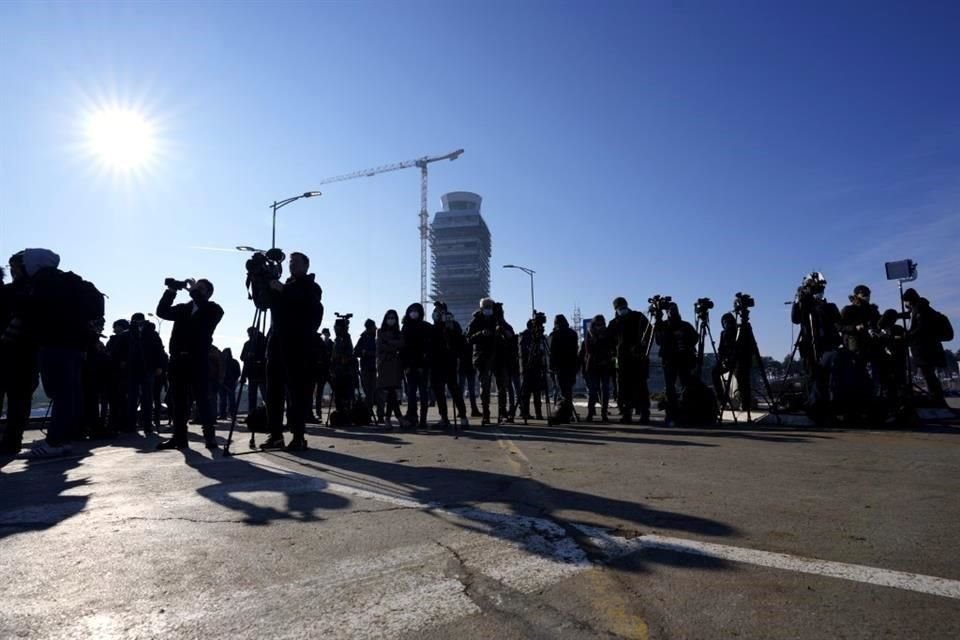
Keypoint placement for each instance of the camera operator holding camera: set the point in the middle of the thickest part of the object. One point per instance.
(193, 326)
(296, 312)
(629, 328)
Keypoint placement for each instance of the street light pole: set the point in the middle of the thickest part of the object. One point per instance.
(279, 205)
(529, 272)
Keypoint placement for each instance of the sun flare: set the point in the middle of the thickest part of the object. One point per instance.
(122, 139)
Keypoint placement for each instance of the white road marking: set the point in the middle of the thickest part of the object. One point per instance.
(615, 546)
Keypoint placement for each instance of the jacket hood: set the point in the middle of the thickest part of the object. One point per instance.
(416, 306)
(36, 259)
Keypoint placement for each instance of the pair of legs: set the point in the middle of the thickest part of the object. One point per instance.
(598, 388)
(488, 375)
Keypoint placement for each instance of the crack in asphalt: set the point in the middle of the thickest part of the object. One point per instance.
(538, 619)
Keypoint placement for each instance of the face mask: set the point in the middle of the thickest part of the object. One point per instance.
(622, 311)
(437, 317)
(488, 312)
(413, 315)
(391, 322)
(818, 296)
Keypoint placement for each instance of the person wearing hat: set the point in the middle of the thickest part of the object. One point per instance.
(629, 329)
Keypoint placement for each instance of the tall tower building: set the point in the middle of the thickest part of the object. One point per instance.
(460, 246)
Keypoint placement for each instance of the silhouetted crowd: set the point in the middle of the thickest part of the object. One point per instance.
(51, 324)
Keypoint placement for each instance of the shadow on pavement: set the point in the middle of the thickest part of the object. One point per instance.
(458, 490)
(32, 500)
(237, 475)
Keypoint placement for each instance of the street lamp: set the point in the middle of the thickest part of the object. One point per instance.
(159, 321)
(529, 272)
(279, 205)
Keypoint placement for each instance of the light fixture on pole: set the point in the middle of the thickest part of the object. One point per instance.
(279, 205)
(529, 272)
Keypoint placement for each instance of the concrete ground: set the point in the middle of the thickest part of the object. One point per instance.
(577, 531)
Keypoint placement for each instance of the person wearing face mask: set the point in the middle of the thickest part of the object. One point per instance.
(193, 325)
(629, 330)
(389, 367)
(446, 345)
(596, 362)
(415, 357)
(818, 341)
(296, 312)
(486, 334)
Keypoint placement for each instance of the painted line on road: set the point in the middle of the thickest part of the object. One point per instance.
(616, 546)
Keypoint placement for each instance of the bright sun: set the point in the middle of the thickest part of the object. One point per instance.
(122, 139)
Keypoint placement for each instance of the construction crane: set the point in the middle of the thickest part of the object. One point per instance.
(421, 163)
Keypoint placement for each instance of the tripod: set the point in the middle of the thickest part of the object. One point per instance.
(260, 323)
(703, 330)
(746, 342)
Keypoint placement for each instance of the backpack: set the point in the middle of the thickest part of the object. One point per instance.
(698, 405)
(942, 328)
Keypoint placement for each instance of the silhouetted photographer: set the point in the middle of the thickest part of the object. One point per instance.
(296, 312)
(193, 325)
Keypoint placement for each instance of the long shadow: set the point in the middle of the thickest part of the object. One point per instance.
(572, 436)
(238, 475)
(458, 490)
(31, 499)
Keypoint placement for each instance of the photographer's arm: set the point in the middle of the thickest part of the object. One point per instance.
(165, 308)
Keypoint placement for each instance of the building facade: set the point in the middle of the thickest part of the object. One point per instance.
(460, 254)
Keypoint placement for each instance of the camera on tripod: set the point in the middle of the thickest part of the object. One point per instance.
(179, 285)
(539, 320)
(263, 267)
(658, 305)
(702, 308)
(742, 302)
(343, 320)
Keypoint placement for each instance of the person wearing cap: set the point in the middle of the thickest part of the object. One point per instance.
(629, 330)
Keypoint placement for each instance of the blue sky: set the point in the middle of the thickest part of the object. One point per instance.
(685, 148)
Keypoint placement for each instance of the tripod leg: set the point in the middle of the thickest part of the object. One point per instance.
(725, 385)
(233, 422)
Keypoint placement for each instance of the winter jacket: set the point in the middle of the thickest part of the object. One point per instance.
(193, 324)
(596, 353)
(563, 350)
(389, 368)
(485, 335)
(366, 351)
(922, 336)
(296, 314)
(415, 352)
(629, 334)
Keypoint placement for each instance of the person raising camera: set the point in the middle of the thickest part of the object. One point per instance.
(193, 326)
(296, 313)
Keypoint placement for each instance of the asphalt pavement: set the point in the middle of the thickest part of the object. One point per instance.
(510, 531)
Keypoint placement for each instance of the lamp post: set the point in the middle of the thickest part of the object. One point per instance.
(529, 272)
(279, 205)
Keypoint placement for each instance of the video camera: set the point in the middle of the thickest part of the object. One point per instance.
(702, 308)
(658, 305)
(263, 267)
(342, 322)
(179, 285)
(742, 302)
